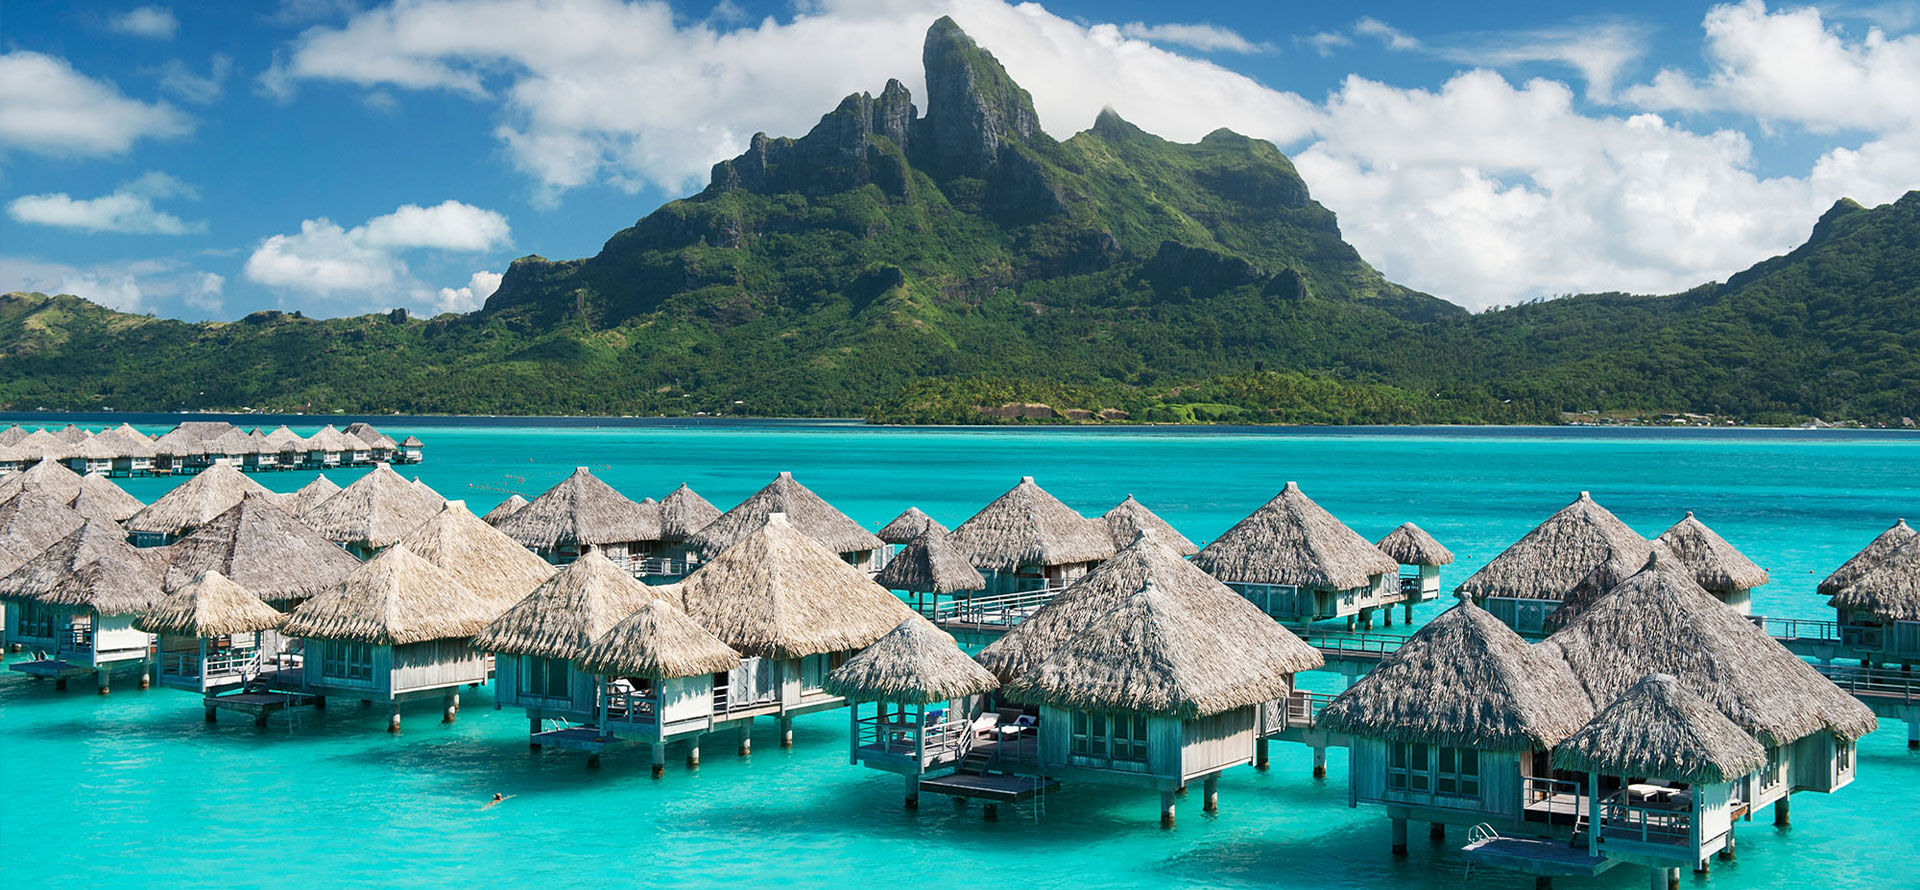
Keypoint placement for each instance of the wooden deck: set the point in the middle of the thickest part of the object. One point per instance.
(579, 738)
(1550, 858)
(995, 787)
(52, 668)
(1558, 809)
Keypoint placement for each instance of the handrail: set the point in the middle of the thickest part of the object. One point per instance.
(1814, 629)
(1303, 707)
(1374, 644)
(1651, 824)
(997, 609)
(1880, 683)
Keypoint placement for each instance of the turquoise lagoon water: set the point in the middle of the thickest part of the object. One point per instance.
(134, 790)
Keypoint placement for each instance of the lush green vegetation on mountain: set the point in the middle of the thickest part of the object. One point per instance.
(956, 266)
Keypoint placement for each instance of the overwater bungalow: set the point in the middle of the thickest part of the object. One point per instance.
(72, 434)
(31, 623)
(1660, 621)
(11, 461)
(99, 498)
(90, 613)
(232, 448)
(1666, 776)
(910, 524)
(582, 513)
(178, 451)
(1528, 581)
(503, 510)
(1863, 634)
(191, 504)
(1600, 582)
(328, 447)
(373, 512)
(1129, 518)
(1299, 564)
(1420, 558)
(1717, 566)
(133, 451)
(380, 447)
(1146, 672)
(805, 511)
(683, 513)
(51, 478)
(661, 676)
(262, 548)
(536, 640)
(290, 448)
(91, 455)
(1026, 539)
(412, 451)
(310, 495)
(1455, 727)
(1879, 613)
(795, 610)
(30, 522)
(931, 568)
(40, 445)
(12, 435)
(913, 696)
(492, 565)
(394, 630)
(261, 453)
(213, 634)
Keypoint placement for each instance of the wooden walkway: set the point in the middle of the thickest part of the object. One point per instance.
(995, 787)
(1549, 858)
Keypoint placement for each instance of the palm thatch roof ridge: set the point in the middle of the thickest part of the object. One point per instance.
(1600, 582)
(1660, 730)
(1293, 541)
(1129, 518)
(114, 584)
(1465, 680)
(1028, 526)
(804, 510)
(37, 576)
(492, 565)
(1410, 545)
(1862, 562)
(930, 564)
(30, 522)
(197, 501)
(503, 510)
(49, 477)
(683, 513)
(1716, 564)
(914, 663)
(1890, 590)
(569, 611)
(394, 599)
(909, 525)
(1662, 621)
(377, 509)
(1549, 560)
(262, 548)
(211, 605)
(99, 498)
(581, 510)
(660, 641)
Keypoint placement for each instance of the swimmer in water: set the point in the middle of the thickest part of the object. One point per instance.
(497, 798)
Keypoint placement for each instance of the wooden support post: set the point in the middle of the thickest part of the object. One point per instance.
(746, 737)
(319, 702)
(1782, 813)
(786, 731)
(106, 682)
(1408, 615)
(533, 729)
(1437, 831)
(1700, 868)
(452, 707)
(59, 684)
(393, 717)
(1350, 624)
(1210, 794)
(1913, 732)
(659, 758)
(13, 648)
(593, 760)
(1673, 879)
(212, 714)
(146, 676)
(1543, 882)
(990, 812)
(1260, 761)
(693, 749)
(1726, 853)
(1386, 616)
(913, 792)
(1319, 761)
(260, 719)
(1166, 809)
(1399, 836)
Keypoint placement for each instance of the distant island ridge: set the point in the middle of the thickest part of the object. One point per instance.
(962, 267)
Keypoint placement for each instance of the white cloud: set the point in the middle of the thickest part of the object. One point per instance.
(181, 82)
(204, 292)
(162, 286)
(49, 108)
(466, 299)
(1326, 42)
(1207, 38)
(1790, 66)
(1388, 35)
(152, 22)
(129, 209)
(1600, 51)
(619, 92)
(362, 268)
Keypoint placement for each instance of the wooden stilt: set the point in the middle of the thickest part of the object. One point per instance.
(746, 737)
(659, 758)
(533, 729)
(319, 702)
(1319, 762)
(260, 720)
(106, 681)
(786, 732)
(1399, 836)
(1166, 809)
(1210, 794)
(913, 792)
(593, 760)
(393, 718)
(451, 707)
(213, 714)
(1543, 882)
(990, 812)
(1260, 761)
(59, 684)
(1782, 813)
(1726, 853)
(146, 677)
(1436, 831)
(693, 749)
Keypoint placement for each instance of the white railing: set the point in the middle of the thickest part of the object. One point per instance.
(1647, 824)
(1547, 798)
(993, 610)
(630, 706)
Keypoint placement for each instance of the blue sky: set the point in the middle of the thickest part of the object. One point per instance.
(205, 160)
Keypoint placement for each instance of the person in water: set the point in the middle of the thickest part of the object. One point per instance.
(497, 798)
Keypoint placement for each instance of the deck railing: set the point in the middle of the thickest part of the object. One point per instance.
(631, 706)
(1366, 645)
(1550, 798)
(660, 566)
(1303, 708)
(993, 610)
(77, 638)
(1620, 820)
(224, 663)
(1811, 629)
(1876, 683)
(943, 742)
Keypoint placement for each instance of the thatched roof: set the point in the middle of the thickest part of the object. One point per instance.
(1291, 540)
(915, 663)
(1600, 582)
(125, 441)
(684, 513)
(779, 593)
(1130, 517)
(72, 435)
(231, 442)
(909, 525)
(427, 490)
(284, 440)
(375, 510)
(262, 548)
(1850, 571)
(1028, 526)
(658, 641)
(804, 510)
(373, 437)
(12, 435)
(1716, 564)
(114, 584)
(1659, 730)
(310, 495)
(1410, 545)
(48, 477)
(197, 501)
(1661, 621)
(1548, 561)
(1465, 680)
(1890, 590)
(329, 439)
(210, 605)
(1245, 632)
(44, 445)
(178, 441)
(394, 599)
(99, 498)
(411, 442)
(205, 429)
(37, 576)
(1155, 654)
(503, 510)
(581, 510)
(29, 523)
(930, 564)
(482, 559)
(569, 611)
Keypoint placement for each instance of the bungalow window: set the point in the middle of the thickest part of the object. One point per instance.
(545, 677)
(1423, 768)
(346, 660)
(814, 669)
(1770, 774)
(37, 620)
(1109, 737)
(1843, 755)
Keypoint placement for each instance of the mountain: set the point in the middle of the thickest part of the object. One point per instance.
(963, 266)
